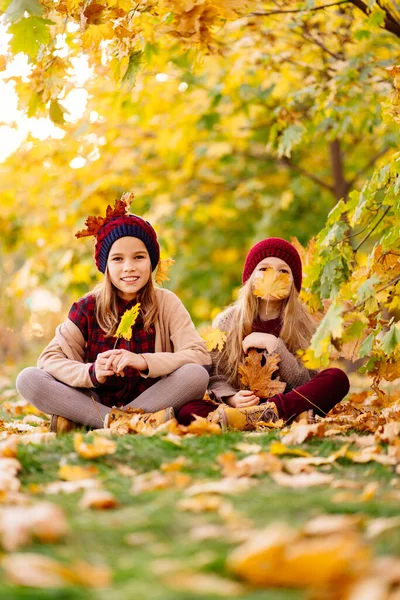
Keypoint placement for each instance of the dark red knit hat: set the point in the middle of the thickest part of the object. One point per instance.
(119, 223)
(278, 248)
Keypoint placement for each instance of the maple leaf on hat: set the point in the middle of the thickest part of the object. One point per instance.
(271, 284)
(94, 224)
(256, 375)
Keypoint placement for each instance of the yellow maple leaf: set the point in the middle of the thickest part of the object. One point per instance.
(271, 284)
(95, 34)
(163, 268)
(99, 447)
(127, 321)
(214, 338)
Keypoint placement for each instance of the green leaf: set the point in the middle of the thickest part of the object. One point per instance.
(366, 346)
(391, 339)
(29, 34)
(290, 137)
(134, 64)
(331, 326)
(366, 289)
(17, 8)
(128, 319)
(56, 112)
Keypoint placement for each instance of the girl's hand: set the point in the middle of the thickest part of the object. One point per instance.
(102, 368)
(263, 341)
(243, 398)
(118, 360)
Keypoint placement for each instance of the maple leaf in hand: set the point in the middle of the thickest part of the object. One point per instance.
(271, 284)
(127, 320)
(163, 268)
(256, 375)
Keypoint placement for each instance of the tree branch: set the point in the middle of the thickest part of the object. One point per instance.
(392, 282)
(300, 10)
(389, 24)
(369, 164)
(372, 230)
(287, 162)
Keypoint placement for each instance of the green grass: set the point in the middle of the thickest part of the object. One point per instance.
(100, 536)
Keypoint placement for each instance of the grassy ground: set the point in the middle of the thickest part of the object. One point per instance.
(149, 537)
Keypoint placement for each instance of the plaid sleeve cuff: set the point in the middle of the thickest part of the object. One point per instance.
(92, 375)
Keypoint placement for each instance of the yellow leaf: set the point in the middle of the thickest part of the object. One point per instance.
(214, 338)
(100, 446)
(278, 448)
(95, 34)
(128, 319)
(201, 426)
(271, 284)
(98, 499)
(76, 472)
(163, 268)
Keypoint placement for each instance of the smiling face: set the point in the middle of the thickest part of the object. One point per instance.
(279, 266)
(129, 266)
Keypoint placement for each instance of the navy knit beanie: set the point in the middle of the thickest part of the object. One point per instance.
(122, 226)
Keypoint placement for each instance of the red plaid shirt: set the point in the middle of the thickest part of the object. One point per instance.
(116, 391)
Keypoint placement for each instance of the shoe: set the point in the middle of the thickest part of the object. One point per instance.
(62, 425)
(121, 420)
(243, 419)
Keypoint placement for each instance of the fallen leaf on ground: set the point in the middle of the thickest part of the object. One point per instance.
(70, 487)
(278, 448)
(256, 374)
(388, 433)
(208, 531)
(302, 480)
(20, 524)
(300, 432)
(203, 583)
(248, 448)
(376, 527)
(370, 454)
(279, 556)
(98, 499)
(36, 570)
(175, 465)
(76, 472)
(329, 524)
(255, 464)
(227, 485)
(155, 480)
(99, 447)
(202, 503)
(201, 426)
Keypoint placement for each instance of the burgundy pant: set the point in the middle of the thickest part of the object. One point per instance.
(321, 394)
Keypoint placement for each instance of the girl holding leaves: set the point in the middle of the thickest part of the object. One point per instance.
(127, 344)
(270, 318)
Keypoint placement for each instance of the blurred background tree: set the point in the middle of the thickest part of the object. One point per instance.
(231, 121)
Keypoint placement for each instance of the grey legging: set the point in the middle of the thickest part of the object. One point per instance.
(83, 405)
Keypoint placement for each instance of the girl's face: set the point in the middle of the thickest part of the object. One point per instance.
(279, 266)
(129, 266)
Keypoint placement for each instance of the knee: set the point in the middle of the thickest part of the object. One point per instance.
(195, 374)
(339, 380)
(28, 383)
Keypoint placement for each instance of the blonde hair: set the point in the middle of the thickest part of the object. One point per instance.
(297, 329)
(107, 307)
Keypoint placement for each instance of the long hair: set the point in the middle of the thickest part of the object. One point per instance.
(107, 307)
(297, 329)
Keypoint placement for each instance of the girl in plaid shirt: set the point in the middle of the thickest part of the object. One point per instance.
(164, 365)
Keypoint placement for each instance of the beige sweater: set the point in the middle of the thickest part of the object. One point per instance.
(291, 369)
(176, 343)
